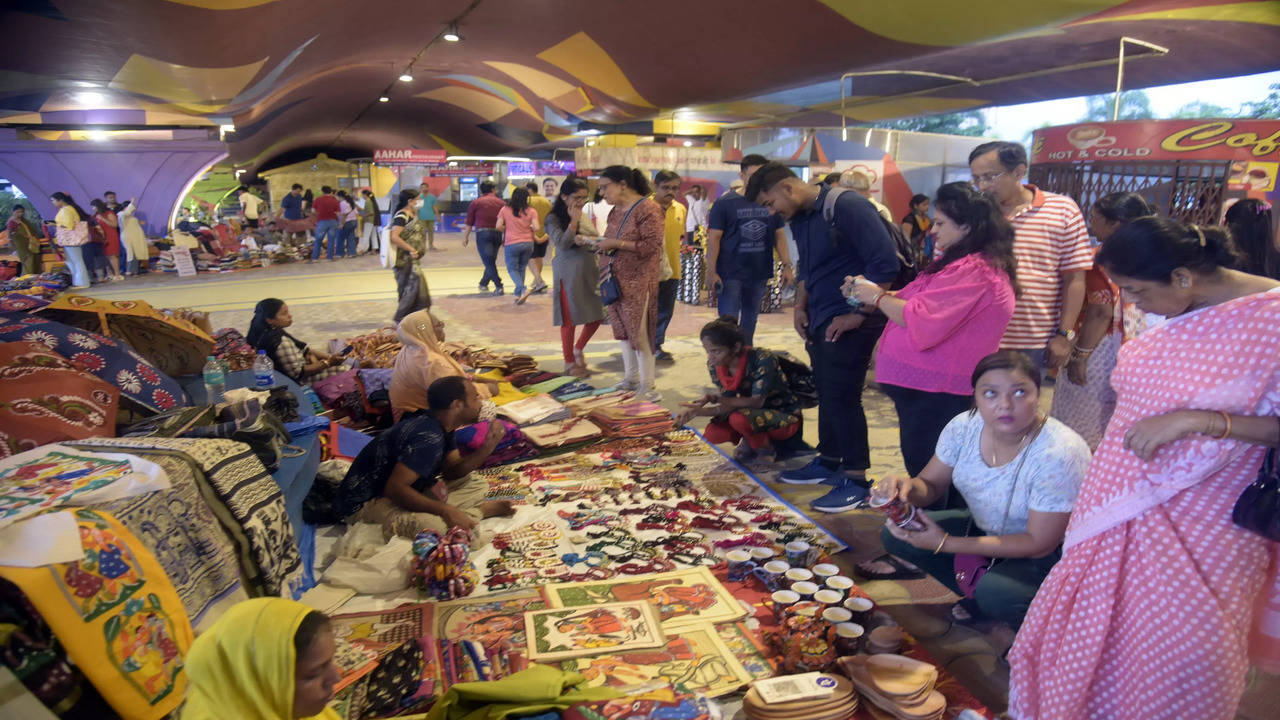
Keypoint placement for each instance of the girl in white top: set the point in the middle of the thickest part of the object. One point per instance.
(1018, 472)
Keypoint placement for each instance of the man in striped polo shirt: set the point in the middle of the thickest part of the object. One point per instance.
(1052, 248)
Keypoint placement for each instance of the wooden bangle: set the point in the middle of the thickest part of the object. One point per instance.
(1227, 431)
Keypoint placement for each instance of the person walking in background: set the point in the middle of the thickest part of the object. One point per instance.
(519, 225)
(409, 240)
(1156, 583)
(250, 206)
(370, 223)
(575, 274)
(860, 182)
(943, 322)
(427, 214)
(665, 186)
(73, 234)
(1085, 402)
(541, 206)
(597, 211)
(327, 208)
(24, 238)
(109, 225)
(1052, 247)
(1250, 225)
(697, 204)
(741, 241)
(482, 216)
(915, 227)
(134, 239)
(634, 242)
(291, 206)
(350, 218)
(844, 238)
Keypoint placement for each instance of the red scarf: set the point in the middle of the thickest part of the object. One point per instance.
(731, 382)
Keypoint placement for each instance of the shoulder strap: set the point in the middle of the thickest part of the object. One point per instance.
(627, 217)
(829, 203)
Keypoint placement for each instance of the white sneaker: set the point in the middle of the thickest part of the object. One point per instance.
(626, 385)
(650, 395)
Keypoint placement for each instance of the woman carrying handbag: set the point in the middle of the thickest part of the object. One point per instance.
(73, 234)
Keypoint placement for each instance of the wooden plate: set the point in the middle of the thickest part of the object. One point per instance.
(843, 691)
(898, 676)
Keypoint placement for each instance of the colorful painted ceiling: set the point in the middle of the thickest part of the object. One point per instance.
(294, 74)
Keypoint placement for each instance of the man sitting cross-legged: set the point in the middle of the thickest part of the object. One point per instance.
(412, 478)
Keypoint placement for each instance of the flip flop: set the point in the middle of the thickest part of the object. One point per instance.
(901, 570)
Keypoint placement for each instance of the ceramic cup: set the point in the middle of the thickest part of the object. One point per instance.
(783, 599)
(836, 615)
(772, 574)
(740, 564)
(805, 588)
(798, 575)
(824, 570)
(860, 607)
(840, 584)
(797, 553)
(848, 638)
(761, 554)
(828, 597)
(806, 608)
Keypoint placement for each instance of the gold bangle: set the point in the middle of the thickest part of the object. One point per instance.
(941, 543)
(1227, 432)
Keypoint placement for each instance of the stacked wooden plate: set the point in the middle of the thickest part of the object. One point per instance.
(898, 685)
(839, 705)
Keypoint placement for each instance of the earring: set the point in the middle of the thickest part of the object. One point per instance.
(1185, 283)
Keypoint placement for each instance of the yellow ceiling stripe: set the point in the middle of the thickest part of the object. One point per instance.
(201, 89)
(582, 58)
(952, 23)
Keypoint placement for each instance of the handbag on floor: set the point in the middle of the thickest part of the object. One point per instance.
(1258, 508)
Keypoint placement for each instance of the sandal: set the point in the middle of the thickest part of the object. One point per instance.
(966, 612)
(902, 571)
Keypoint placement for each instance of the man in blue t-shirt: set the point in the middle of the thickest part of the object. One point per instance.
(412, 477)
(840, 338)
(427, 213)
(741, 239)
(292, 203)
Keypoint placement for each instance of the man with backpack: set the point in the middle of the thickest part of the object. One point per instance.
(837, 233)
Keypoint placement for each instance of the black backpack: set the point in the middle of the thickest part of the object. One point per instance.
(908, 267)
(799, 377)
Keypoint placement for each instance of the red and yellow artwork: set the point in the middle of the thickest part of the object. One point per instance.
(693, 660)
(679, 597)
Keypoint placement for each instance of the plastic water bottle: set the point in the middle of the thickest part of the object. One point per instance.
(263, 371)
(215, 380)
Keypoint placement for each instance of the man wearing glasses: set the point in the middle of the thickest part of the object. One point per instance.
(1052, 248)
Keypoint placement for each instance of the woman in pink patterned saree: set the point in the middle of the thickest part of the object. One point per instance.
(1160, 602)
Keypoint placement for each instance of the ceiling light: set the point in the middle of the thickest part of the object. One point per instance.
(688, 143)
(90, 98)
(97, 135)
(406, 77)
(451, 33)
(384, 98)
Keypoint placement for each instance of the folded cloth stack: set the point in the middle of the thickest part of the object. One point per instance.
(633, 419)
(564, 432)
(513, 446)
(534, 410)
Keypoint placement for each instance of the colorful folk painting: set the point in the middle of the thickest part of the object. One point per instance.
(747, 648)
(679, 597)
(574, 632)
(693, 660)
(383, 630)
(105, 577)
(141, 643)
(30, 485)
(629, 708)
(492, 620)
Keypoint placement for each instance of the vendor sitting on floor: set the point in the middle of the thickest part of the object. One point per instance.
(292, 357)
(422, 360)
(1017, 470)
(412, 477)
(755, 407)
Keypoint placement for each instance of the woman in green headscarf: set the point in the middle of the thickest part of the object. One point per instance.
(265, 659)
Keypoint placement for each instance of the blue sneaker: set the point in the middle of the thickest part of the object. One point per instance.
(845, 496)
(811, 474)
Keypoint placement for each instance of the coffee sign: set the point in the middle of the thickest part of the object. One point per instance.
(1195, 139)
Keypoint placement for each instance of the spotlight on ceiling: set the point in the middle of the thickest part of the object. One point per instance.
(90, 99)
(451, 33)
(688, 143)
(406, 77)
(384, 98)
(97, 135)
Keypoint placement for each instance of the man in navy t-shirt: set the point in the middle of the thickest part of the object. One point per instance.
(741, 238)
(840, 338)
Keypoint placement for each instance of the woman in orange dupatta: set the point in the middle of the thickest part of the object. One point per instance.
(1160, 602)
(422, 360)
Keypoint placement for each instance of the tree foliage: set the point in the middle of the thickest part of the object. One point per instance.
(966, 122)
(1202, 109)
(1134, 105)
(1268, 107)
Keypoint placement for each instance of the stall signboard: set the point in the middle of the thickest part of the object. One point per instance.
(462, 170)
(183, 261)
(521, 168)
(410, 156)
(556, 167)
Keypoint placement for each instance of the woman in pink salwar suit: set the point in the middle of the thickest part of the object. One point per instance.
(1160, 602)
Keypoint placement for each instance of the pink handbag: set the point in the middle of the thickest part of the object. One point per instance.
(969, 570)
(74, 237)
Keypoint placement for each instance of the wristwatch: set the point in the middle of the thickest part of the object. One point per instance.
(1068, 334)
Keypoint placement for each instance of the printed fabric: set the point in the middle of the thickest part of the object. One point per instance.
(117, 615)
(247, 499)
(35, 655)
(763, 377)
(1156, 584)
(45, 399)
(512, 447)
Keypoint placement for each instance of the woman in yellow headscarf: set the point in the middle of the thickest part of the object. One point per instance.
(265, 659)
(423, 360)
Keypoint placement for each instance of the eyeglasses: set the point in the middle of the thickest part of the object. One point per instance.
(987, 179)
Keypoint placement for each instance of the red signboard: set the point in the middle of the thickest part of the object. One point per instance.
(410, 156)
(1195, 139)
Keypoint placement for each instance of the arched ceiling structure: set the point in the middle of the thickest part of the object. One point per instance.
(304, 73)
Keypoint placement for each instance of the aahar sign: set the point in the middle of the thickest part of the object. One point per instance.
(409, 156)
(1195, 139)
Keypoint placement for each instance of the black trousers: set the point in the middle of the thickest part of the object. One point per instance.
(921, 417)
(840, 372)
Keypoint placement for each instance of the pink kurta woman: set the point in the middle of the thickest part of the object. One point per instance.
(1160, 602)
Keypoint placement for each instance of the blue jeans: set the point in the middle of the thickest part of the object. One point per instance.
(488, 241)
(517, 260)
(741, 299)
(75, 264)
(667, 290)
(348, 243)
(329, 229)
